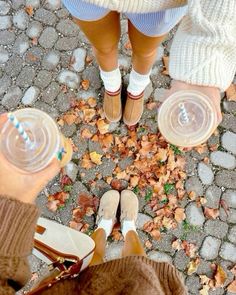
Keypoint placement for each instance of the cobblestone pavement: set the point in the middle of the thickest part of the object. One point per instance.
(36, 49)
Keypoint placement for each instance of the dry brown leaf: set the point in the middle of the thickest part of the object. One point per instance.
(201, 148)
(193, 266)
(151, 105)
(69, 119)
(211, 213)
(89, 114)
(161, 155)
(204, 290)
(165, 60)
(220, 276)
(148, 244)
(95, 158)
(192, 195)
(86, 133)
(134, 180)
(29, 10)
(179, 215)
(53, 205)
(89, 59)
(103, 127)
(107, 140)
(231, 93)
(177, 245)
(156, 235)
(86, 162)
(34, 41)
(85, 84)
(232, 287)
(92, 102)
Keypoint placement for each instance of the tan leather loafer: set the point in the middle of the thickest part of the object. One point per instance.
(133, 109)
(112, 106)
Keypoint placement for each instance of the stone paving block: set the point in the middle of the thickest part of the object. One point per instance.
(204, 268)
(92, 74)
(45, 16)
(34, 55)
(160, 256)
(142, 219)
(47, 108)
(43, 79)
(68, 28)
(194, 184)
(159, 94)
(21, 44)
(53, 4)
(16, 4)
(26, 77)
(62, 13)
(107, 167)
(14, 66)
(33, 3)
(4, 7)
(78, 188)
(71, 169)
(5, 82)
(48, 38)
(68, 130)
(63, 102)
(67, 43)
(165, 244)
(230, 197)
(228, 252)
(50, 93)
(194, 214)
(69, 78)
(193, 284)
(205, 173)
(226, 179)
(232, 235)
(181, 260)
(223, 159)
(232, 216)
(21, 19)
(217, 291)
(51, 60)
(229, 141)
(4, 55)
(229, 106)
(5, 22)
(216, 228)
(229, 122)
(12, 98)
(30, 96)
(34, 29)
(212, 195)
(210, 248)
(78, 57)
(7, 37)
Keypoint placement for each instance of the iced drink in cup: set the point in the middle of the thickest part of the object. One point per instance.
(44, 144)
(187, 118)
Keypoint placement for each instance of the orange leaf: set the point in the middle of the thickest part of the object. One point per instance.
(151, 105)
(107, 140)
(86, 162)
(29, 9)
(69, 119)
(177, 245)
(156, 235)
(103, 127)
(134, 180)
(231, 92)
(165, 60)
(89, 114)
(85, 84)
(220, 276)
(95, 158)
(148, 244)
(86, 133)
(89, 59)
(211, 213)
(179, 214)
(201, 148)
(161, 155)
(193, 266)
(232, 287)
(92, 102)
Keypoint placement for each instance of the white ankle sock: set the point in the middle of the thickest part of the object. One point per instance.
(107, 225)
(127, 226)
(111, 80)
(137, 82)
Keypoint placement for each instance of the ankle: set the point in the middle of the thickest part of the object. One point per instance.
(128, 225)
(106, 225)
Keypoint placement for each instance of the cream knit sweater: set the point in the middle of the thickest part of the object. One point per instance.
(204, 49)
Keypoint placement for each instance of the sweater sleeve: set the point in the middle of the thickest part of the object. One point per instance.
(17, 228)
(203, 50)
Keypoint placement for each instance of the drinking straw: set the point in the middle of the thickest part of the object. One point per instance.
(12, 118)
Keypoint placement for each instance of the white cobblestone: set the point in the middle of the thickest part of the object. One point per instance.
(194, 214)
(230, 197)
(223, 159)
(160, 256)
(21, 20)
(205, 173)
(228, 252)
(210, 248)
(229, 141)
(69, 78)
(5, 22)
(4, 7)
(30, 95)
(142, 219)
(79, 56)
(34, 30)
(33, 3)
(4, 55)
(232, 235)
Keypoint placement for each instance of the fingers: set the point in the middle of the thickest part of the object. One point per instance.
(50, 172)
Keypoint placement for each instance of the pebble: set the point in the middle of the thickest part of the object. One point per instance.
(45, 16)
(67, 28)
(78, 57)
(86, 94)
(51, 60)
(69, 78)
(232, 235)
(92, 74)
(228, 252)
(212, 195)
(205, 173)
(71, 169)
(67, 43)
(34, 30)
(216, 228)
(6, 37)
(21, 45)
(30, 96)
(4, 7)
(230, 197)
(21, 19)
(210, 248)
(33, 3)
(223, 159)
(48, 38)
(4, 55)
(53, 4)
(194, 184)
(51, 92)
(26, 77)
(159, 94)
(43, 79)
(12, 98)
(229, 141)
(5, 22)
(160, 256)
(194, 214)
(226, 179)
(142, 219)
(5, 82)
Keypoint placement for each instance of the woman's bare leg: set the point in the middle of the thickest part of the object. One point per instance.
(104, 35)
(132, 245)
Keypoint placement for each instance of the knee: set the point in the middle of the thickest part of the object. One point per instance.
(144, 54)
(106, 50)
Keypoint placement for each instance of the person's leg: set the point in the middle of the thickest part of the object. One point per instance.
(132, 245)
(99, 237)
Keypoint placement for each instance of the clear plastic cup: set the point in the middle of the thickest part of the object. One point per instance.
(46, 141)
(187, 118)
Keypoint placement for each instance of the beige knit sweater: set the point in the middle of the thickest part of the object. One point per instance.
(204, 48)
(131, 275)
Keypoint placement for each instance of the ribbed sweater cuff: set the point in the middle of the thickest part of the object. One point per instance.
(17, 227)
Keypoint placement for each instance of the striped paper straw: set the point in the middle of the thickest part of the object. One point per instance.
(19, 128)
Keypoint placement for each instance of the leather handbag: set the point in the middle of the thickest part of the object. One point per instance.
(65, 250)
